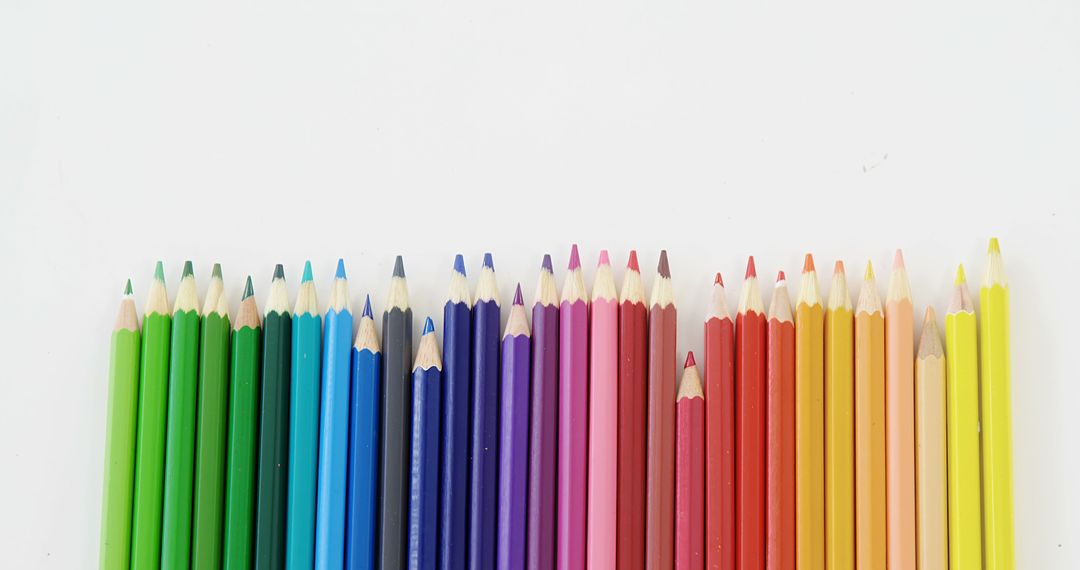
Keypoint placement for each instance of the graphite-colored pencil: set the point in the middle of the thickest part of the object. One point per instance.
(750, 346)
(870, 542)
(932, 517)
(393, 527)
(660, 458)
(633, 393)
(180, 426)
(120, 436)
(334, 426)
(424, 465)
(212, 433)
(780, 432)
(719, 433)
(454, 468)
(690, 470)
(543, 423)
(573, 418)
(514, 435)
(364, 422)
(304, 425)
(809, 422)
(839, 425)
(962, 351)
(484, 443)
(603, 417)
(900, 419)
(996, 408)
(272, 490)
(240, 477)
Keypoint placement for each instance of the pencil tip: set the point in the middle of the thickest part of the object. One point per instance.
(248, 289)
(546, 264)
(488, 263)
(216, 272)
(751, 268)
(960, 277)
(604, 258)
(367, 308)
(307, 273)
(159, 271)
(340, 273)
(459, 264)
(690, 360)
(399, 267)
(662, 267)
(632, 263)
(780, 277)
(279, 271)
(429, 327)
(719, 280)
(189, 271)
(517, 296)
(575, 259)
(930, 316)
(808, 263)
(994, 246)
(869, 273)
(898, 260)
(127, 288)
(839, 267)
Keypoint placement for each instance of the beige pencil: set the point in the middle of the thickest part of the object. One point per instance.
(930, 459)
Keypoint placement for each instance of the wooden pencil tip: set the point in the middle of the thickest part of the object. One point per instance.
(632, 263)
(459, 264)
(604, 259)
(868, 275)
(839, 267)
(307, 273)
(808, 263)
(488, 262)
(340, 273)
(751, 269)
(781, 278)
(546, 264)
(929, 317)
(575, 259)
(994, 246)
(518, 300)
(248, 289)
(690, 360)
(429, 327)
(719, 280)
(189, 270)
(367, 308)
(127, 288)
(960, 277)
(662, 267)
(159, 271)
(279, 271)
(898, 260)
(399, 267)
(216, 272)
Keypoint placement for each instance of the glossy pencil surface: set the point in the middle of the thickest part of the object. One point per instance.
(543, 423)
(395, 448)
(454, 469)
(424, 461)
(304, 405)
(839, 426)
(809, 422)
(573, 419)
(484, 444)
(633, 392)
(900, 419)
(603, 417)
(690, 470)
(780, 505)
(660, 459)
(514, 436)
(719, 433)
(364, 423)
(750, 347)
(870, 541)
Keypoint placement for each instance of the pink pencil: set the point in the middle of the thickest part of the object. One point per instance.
(603, 416)
(573, 418)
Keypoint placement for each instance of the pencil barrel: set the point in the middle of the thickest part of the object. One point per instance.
(120, 440)
(212, 437)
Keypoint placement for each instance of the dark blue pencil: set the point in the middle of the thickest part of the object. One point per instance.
(424, 471)
(484, 456)
(361, 514)
(454, 470)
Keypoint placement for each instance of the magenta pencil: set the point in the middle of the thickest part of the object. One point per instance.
(603, 417)
(573, 418)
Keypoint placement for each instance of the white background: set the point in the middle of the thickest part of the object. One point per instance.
(251, 134)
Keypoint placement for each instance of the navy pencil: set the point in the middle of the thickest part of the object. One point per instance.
(454, 471)
(424, 480)
(484, 456)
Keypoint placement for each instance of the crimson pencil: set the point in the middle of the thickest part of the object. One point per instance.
(633, 363)
(780, 433)
(543, 422)
(750, 340)
(573, 418)
(689, 471)
(719, 433)
(660, 461)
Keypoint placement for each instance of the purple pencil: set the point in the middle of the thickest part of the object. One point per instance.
(573, 418)
(540, 547)
(514, 450)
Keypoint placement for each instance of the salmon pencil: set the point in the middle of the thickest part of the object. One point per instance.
(780, 432)
(900, 419)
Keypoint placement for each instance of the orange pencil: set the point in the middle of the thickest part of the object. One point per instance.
(900, 419)
(869, 427)
(780, 432)
(809, 422)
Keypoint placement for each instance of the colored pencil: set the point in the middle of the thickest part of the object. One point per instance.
(719, 433)
(809, 422)
(932, 516)
(632, 410)
(484, 450)
(573, 418)
(334, 426)
(364, 422)
(780, 431)
(750, 346)
(150, 433)
(690, 470)
(396, 420)
(869, 426)
(454, 470)
(996, 414)
(212, 433)
(962, 351)
(660, 458)
(180, 426)
(243, 435)
(424, 466)
(304, 425)
(603, 417)
(272, 490)
(839, 425)
(514, 445)
(900, 419)
(120, 436)
(543, 423)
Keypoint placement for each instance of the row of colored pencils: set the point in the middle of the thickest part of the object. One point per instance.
(818, 436)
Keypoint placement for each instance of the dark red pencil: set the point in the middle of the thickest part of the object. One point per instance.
(689, 470)
(780, 457)
(630, 493)
(660, 461)
(750, 340)
(719, 433)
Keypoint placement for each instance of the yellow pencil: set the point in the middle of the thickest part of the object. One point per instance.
(996, 414)
(933, 538)
(869, 427)
(900, 419)
(839, 427)
(809, 422)
(961, 348)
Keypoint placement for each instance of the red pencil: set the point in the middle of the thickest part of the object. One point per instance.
(689, 471)
(780, 458)
(719, 434)
(660, 466)
(633, 343)
(750, 425)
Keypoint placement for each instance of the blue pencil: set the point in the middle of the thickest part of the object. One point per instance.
(424, 471)
(514, 447)
(304, 426)
(457, 339)
(364, 445)
(484, 456)
(334, 427)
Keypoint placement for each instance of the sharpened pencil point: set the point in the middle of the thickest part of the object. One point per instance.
(340, 273)
(127, 288)
(960, 277)
(898, 260)
(159, 271)
(248, 289)
(367, 308)
(604, 258)
(662, 267)
(869, 273)
(994, 246)
(690, 360)
(459, 263)
(216, 272)
(780, 277)
(517, 296)
(488, 263)
(719, 280)
(632, 263)
(808, 263)
(930, 316)
(189, 270)
(279, 271)
(751, 268)
(399, 267)
(546, 264)
(575, 259)
(307, 273)
(839, 267)
(429, 327)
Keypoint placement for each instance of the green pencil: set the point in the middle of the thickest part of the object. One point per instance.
(150, 436)
(120, 437)
(243, 421)
(180, 430)
(211, 433)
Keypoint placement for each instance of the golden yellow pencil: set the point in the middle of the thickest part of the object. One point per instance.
(870, 527)
(996, 414)
(839, 426)
(932, 514)
(961, 349)
(900, 419)
(809, 422)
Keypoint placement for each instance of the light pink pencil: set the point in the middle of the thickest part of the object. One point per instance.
(603, 417)
(573, 463)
